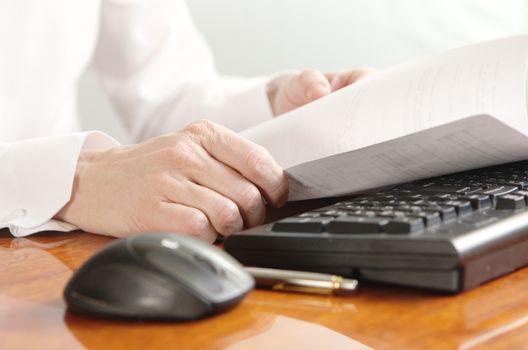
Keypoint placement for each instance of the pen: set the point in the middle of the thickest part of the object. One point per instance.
(301, 281)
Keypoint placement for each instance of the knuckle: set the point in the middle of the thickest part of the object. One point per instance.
(257, 160)
(142, 221)
(229, 218)
(197, 224)
(171, 154)
(159, 181)
(279, 191)
(251, 199)
(182, 156)
(200, 128)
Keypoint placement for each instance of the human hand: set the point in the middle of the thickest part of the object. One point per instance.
(202, 180)
(292, 91)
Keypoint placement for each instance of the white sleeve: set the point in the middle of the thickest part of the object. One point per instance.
(36, 179)
(159, 73)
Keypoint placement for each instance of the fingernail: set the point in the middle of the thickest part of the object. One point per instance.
(316, 91)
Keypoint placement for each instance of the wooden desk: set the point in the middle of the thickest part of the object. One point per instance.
(33, 272)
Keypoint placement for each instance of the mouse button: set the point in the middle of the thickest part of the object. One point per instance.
(198, 276)
(207, 263)
(225, 266)
(160, 249)
(116, 283)
(207, 270)
(228, 271)
(235, 280)
(183, 268)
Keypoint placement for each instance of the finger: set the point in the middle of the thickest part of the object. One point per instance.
(178, 218)
(305, 87)
(339, 80)
(251, 160)
(222, 212)
(229, 183)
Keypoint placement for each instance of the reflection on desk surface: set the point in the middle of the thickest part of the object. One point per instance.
(33, 272)
(289, 333)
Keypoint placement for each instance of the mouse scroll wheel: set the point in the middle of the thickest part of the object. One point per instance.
(209, 265)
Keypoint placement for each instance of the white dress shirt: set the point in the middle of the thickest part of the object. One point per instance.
(151, 61)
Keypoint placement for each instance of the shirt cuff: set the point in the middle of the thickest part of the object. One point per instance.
(37, 179)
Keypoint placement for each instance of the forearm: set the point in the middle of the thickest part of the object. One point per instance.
(236, 103)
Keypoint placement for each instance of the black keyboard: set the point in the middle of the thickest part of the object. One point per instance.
(449, 233)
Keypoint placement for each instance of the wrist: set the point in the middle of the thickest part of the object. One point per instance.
(85, 159)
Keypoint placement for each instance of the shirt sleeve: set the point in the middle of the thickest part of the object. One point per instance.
(159, 72)
(36, 179)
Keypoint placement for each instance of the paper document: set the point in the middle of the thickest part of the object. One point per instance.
(457, 110)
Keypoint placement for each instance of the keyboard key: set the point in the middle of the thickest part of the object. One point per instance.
(392, 214)
(510, 202)
(411, 199)
(520, 184)
(477, 201)
(404, 226)
(522, 193)
(366, 213)
(350, 207)
(409, 208)
(356, 224)
(446, 213)
(497, 190)
(462, 207)
(442, 197)
(430, 219)
(333, 213)
(301, 224)
(310, 214)
(459, 189)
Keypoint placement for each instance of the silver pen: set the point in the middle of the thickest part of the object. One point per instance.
(301, 281)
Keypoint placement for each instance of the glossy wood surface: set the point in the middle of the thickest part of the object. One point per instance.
(33, 315)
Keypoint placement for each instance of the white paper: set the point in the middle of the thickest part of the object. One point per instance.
(482, 79)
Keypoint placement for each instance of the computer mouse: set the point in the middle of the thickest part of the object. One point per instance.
(157, 277)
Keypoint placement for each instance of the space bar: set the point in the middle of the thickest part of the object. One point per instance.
(314, 225)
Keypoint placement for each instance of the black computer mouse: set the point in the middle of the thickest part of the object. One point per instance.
(157, 277)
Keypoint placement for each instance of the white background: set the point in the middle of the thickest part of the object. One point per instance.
(254, 37)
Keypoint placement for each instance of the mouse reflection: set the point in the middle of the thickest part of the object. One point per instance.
(290, 333)
(242, 330)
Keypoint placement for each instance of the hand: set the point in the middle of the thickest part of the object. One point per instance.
(201, 181)
(292, 91)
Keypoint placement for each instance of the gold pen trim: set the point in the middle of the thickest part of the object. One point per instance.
(302, 289)
(336, 281)
(334, 286)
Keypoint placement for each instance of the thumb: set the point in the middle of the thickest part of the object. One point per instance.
(308, 86)
(300, 89)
